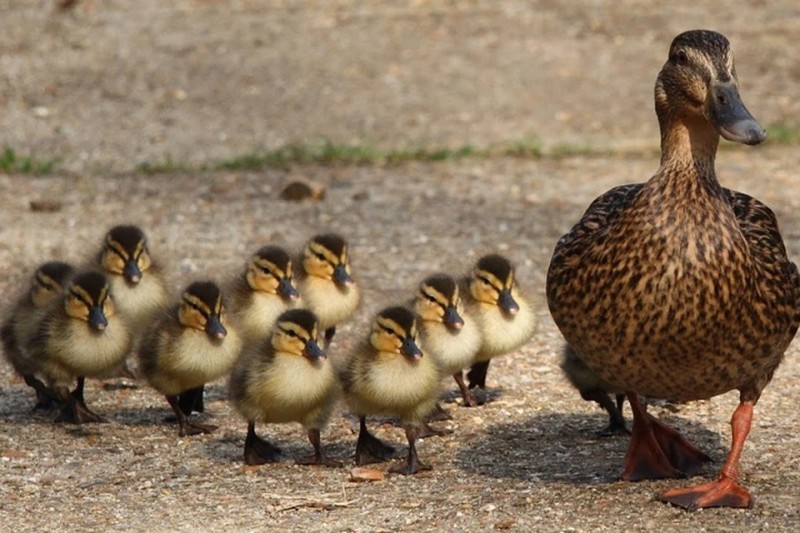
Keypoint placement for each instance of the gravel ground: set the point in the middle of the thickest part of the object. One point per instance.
(106, 88)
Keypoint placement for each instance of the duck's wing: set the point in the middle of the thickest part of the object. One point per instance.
(778, 275)
(599, 216)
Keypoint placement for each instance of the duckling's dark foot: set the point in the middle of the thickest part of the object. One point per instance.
(46, 399)
(319, 458)
(426, 430)
(724, 492)
(370, 449)
(440, 414)
(192, 400)
(477, 375)
(77, 413)
(412, 464)
(186, 428)
(614, 429)
(469, 400)
(657, 451)
(258, 451)
(616, 422)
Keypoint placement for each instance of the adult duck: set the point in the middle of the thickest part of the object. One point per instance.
(679, 288)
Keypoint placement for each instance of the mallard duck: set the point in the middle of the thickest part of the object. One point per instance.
(593, 388)
(20, 327)
(80, 336)
(444, 332)
(286, 379)
(325, 283)
(190, 346)
(678, 288)
(388, 374)
(505, 318)
(262, 292)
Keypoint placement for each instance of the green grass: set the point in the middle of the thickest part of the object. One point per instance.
(13, 163)
(783, 133)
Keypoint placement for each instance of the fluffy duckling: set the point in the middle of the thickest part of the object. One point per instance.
(505, 318)
(23, 321)
(286, 379)
(262, 292)
(388, 375)
(80, 336)
(136, 281)
(325, 283)
(444, 333)
(594, 388)
(678, 288)
(189, 347)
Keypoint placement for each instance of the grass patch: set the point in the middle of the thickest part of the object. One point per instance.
(783, 133)
(13, 163)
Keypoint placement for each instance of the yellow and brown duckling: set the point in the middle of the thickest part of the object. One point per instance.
(445, 333)
(388, 374)
(20, 327)
(505, 318)
(287, 378)
(325, 282)
(80, 336)
(593, 388)
(262, 292)
(678, 288)
(139, 289)
(190, 346)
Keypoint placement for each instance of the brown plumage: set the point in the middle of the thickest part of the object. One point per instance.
(678, 288)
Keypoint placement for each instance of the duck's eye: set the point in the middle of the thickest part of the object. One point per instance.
(429, 298)
(291, 333)
(319, 256)
(680, 58)
(484, 281)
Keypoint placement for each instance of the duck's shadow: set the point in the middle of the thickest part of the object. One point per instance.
(564, 448)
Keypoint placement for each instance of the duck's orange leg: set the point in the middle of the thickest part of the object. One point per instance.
(724, 491)
(657, 451)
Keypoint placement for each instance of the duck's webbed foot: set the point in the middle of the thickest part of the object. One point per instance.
(258, 451)
(657, 451)
(412, 464)
(616, 422)
(186, 428)
(369, 448)
(319, 458)
(469, 399)
(75, 411)
(46, 399)
(426, 430)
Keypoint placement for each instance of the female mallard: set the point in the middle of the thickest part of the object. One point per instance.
(678, 288)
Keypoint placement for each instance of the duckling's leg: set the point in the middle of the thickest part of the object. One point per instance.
(656, 450)
(74, 410)
(477, 375)
(319, 457)
(724, 491)
(369, 448)
(192, 400)
(45, 398)
(257, 451)
(186, 427)
(616, 422)
(469, 400)
(412, 464)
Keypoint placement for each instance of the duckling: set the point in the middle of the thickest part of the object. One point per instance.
(325, 283)
(678, 288)
(444, 333)
(263, 291)
(505, 318)
(137, 282)
(389, 375)
(593, 388)
(80, 336)
(21, 325)
(286, 379)
(190, 346)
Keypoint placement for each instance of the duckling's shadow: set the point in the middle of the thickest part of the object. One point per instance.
(565, 448)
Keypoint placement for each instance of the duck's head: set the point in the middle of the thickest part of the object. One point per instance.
(202, 308)
(492, 282)
(394, 330)
(438, 300)
(49, 281)
(88, 298)
(296, 333)
(698, 84)
(125, 253)
(326, 256)
(270, 271)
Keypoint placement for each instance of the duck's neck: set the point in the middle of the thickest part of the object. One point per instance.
(690, 145)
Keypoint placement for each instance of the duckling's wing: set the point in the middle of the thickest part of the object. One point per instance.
(600, 215)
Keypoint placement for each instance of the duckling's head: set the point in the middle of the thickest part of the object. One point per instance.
(492, 283)
(202, 308)
(438, 301)
(270, 271)
(296, 333)
(698, 84)
(326, 256)
(125, 253)
(88, 298)
(394, 330)
(48, 282)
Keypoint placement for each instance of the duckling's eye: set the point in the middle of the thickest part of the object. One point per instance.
(319, 256)
(390, 331)
(290, 333)
(484, 281)
(429, 298)
(680, 58)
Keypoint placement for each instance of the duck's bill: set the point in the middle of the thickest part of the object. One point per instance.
(731, 118)
(313, 351)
